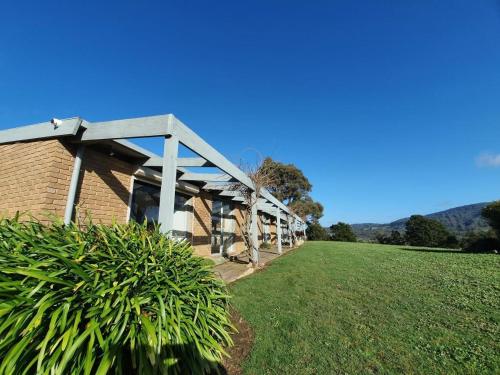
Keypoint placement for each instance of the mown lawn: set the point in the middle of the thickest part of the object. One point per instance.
(333, 307)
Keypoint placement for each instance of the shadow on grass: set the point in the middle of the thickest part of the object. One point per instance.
(430, 250)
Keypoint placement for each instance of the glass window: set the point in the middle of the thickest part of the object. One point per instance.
(146, 205)
(145, 202)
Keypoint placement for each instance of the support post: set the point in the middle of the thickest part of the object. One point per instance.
(167, 193)
(73, 185)
(254, 230)
(290, 232)
(278, 230)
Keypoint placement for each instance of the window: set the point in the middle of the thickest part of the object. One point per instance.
(145, 202)
(146, 205)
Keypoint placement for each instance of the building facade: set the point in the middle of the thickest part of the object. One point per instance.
(48, 174)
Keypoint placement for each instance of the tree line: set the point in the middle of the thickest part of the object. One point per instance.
(423, 231)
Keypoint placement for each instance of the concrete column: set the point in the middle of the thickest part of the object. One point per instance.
(290, 233)
(278, 230)
(73, 185)
(167, 193)
(255, 232)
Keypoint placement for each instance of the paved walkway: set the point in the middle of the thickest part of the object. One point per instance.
(233, 270)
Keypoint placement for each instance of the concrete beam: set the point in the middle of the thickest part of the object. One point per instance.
(167, 193)
(254, 232)
(193, 162)
(229, 193)
(278, 230)
(151, 126)
(181, 162)
(207, 177)
(217, 186)
(42, 130)
(196, 144)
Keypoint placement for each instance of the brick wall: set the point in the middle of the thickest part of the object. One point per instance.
(33, 178)
(239, 242)
(202, 223)
(104, 189)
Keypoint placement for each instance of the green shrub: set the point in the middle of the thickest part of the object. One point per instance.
(423, 231)
(118, 299)
(395, 238)
(315, 232)
(342, 232)
(482, 242)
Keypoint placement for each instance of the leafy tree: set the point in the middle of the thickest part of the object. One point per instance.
(395, 238)
(492, 214)
(316, 232)
(307, 209)
(291, 187)
(480, 242)
(422, 231)
(452, 242)
(342, 232)
(289, 183)
(382, 238)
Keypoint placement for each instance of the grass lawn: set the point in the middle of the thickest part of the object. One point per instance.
(333, 307)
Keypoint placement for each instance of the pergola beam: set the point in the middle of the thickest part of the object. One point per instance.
(174, 132)
(181, 162)
(205, 177)
(49, 129)
(196, 144)
(229, 193)
(164, 125)
(193, 162)
(214, 186)
(278, 229)
(151, 126)
(167, 192)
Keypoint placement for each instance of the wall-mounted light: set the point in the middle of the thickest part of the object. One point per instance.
(56, 122)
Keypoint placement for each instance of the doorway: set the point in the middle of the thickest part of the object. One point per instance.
(223, 225)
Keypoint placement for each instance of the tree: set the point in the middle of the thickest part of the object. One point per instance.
(492, 214)
(291, 187)
(342, 232)
(315, 232)
(422, 231)
(261, 179)
(480, 242)
(307, 209)
(289, 183)
(395, 238)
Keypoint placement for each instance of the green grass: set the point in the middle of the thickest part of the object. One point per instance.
(333, 307)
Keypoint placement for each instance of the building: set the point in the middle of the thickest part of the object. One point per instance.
(72, 167)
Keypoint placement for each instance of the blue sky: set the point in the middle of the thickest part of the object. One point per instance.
(390, 108)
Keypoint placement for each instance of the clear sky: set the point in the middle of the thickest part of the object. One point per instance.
(389, 107)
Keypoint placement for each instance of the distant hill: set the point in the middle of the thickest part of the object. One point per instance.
(458, 220)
